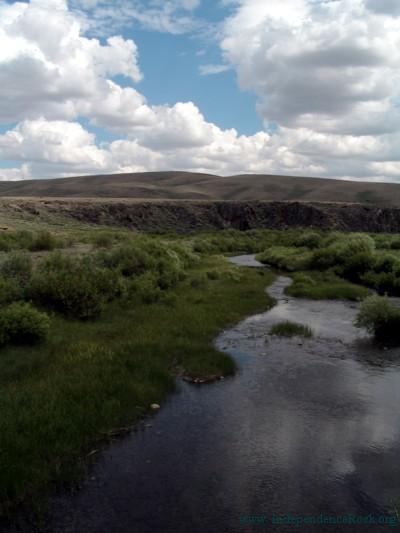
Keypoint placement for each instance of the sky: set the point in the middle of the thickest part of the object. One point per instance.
(295, 87)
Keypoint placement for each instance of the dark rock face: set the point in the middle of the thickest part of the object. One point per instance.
(188, 216)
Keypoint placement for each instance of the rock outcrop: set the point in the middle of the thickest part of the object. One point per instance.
(188, 216)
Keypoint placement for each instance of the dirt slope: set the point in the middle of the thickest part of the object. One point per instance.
(193, 186)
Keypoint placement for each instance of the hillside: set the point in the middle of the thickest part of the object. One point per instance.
(195, 186)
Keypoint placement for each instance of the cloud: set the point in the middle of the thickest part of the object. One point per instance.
(184, 141)
(206, 70)
(386, 7)
(326, 73)
(55, 142)
(325, 64)
(48, 68)
(167, 16)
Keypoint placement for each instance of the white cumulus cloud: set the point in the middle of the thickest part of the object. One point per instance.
(326, 74)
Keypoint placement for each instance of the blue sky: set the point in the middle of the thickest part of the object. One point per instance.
(295, 87)
(170, 65)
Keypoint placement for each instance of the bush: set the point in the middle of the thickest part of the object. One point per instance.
(379, 317)
(355, 266)
(170, 270)
(324, 258)
(103, 240)
(290, 259)
(23, 239)
(213, 274)
(20, 323)
(6, 242)
(395, 244)
(131, 260)
(10, 291)
(44, 241)
(350, 256)
(302, 278)
(17, 266)
(77, 287)
(199, 281)
(146, 287)
(309, 239)
(382, 282)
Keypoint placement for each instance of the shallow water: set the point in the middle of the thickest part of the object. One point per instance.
(245, 260)
(306, 427)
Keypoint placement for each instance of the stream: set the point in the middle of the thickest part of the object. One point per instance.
(306, 428)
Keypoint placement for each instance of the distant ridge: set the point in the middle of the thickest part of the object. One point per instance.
(195, 186)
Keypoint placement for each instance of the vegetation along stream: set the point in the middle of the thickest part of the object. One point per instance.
(307, 432)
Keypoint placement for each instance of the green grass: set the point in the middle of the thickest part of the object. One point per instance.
(290, 329)
(58, 399)
(324, 286)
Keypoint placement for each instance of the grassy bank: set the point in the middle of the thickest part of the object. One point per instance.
(324, 286)
(338, 264)
(58, 398)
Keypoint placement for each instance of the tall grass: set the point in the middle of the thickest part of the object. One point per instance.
(290, 329)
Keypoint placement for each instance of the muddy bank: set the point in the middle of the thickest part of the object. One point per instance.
(308, 427)
(187, 216)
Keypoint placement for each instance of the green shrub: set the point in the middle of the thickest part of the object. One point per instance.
(213, 274)
(202, 247)
(44, 241)
(354, 266)
(357, 242)
(395, 244)
(285, 258)
(199, 280)
(20, 323)
(146, 287)
(169, 299)
(6, 242)
(309, 239)
(77, 287)
(324, 258)
(132, 259)
(17, 266)
(170, 270)
(350, 256)
(382, 282)
(10, 290)
(290, 329)
(23, 239)
(379, 317)
(301, 277)
(385, 263)
(103, 240)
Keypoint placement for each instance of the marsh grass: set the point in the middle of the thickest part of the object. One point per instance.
(290, 329)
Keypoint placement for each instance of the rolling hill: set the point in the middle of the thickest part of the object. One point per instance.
(208, 187)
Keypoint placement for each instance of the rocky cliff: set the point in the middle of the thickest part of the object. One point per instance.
(188, 216)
